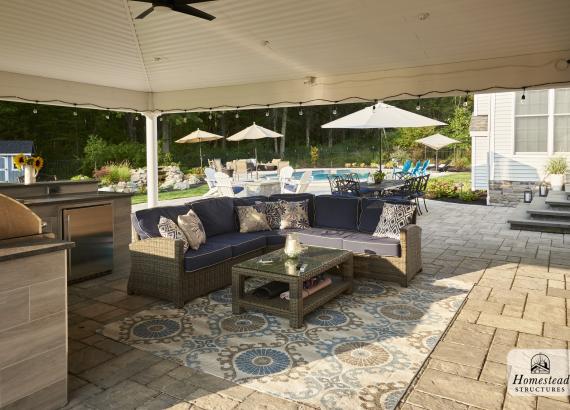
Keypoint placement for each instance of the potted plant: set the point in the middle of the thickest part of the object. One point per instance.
(378, 177)
(556, 168)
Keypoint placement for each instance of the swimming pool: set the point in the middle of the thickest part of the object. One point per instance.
(322, 175)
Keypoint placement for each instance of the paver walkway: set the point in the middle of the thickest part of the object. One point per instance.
(519, 300)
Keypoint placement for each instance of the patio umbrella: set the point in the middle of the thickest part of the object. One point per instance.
(254, 132)
(437, 142)
(197, 137)
(382, 116)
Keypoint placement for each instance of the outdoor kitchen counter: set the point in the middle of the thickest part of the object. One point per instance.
(20, 248)
(79, 197)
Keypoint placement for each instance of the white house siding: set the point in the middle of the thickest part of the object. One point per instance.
(509, 173)
(479, 162)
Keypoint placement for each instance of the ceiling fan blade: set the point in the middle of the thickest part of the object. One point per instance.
(193, 12)
(144, 14)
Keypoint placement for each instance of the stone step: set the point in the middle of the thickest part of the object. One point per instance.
(558, 198)
(540, 216)
(551, 212)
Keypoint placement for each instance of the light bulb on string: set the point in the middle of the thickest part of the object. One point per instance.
(466, 99)
(375, 103)
(136, 117)
(418, 105)
(301, 109)
(523, 96)
(108, 115)
(237, 112)
(334, 111)
(267, 112)
(35, 110)
(210, 116)
(75, 111)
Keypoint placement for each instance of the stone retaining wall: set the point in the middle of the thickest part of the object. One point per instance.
(510, 193)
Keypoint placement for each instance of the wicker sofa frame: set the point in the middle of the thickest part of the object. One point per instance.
(157, 267)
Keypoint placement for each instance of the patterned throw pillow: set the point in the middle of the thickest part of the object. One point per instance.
(273, 212)
(251, 219)
(295, 215)
(192, 227)
(168, 229)
(393, 218)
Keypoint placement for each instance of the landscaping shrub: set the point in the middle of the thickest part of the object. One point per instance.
(461, 164)
(113, 173)
(556, 166)
(97, 152)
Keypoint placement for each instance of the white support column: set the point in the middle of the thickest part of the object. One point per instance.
(152, 158)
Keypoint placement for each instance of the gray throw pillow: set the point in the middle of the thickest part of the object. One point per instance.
(192, 227)
(168, 229)
(394, 217)
(295, 215)
(251, 219)
(273, 212)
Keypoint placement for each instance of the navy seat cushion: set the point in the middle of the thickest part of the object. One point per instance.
(371, 210)
(328, 238)
(216, 214)
(371, 245)
(145, 221)
(297, 198)
(240, 243)
(337, 212)
(211, 253)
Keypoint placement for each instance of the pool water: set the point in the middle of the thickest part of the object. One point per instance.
(321, 175)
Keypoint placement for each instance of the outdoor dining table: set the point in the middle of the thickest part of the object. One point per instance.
(385, 185)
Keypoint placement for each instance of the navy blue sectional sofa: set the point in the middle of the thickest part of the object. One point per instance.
(160, 267)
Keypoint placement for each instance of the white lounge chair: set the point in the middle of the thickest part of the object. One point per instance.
(225, 187)
(297, 188)
(211, 181)
(285, 175)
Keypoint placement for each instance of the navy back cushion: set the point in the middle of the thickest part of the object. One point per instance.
(145, 221)
(371, 209)
(216, 214)
(250, 200)
(298, 198)
(337, 212)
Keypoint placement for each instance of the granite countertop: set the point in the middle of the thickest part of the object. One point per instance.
(32, 245)
(48, 183)
(78, 197)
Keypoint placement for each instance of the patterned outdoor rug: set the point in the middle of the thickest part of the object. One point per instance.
(360, 350)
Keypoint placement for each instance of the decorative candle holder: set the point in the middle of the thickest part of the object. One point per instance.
(292, 246)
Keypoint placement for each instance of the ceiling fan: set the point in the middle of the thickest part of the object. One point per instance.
(180, 6)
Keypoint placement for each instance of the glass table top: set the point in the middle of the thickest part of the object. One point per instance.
(279, 263)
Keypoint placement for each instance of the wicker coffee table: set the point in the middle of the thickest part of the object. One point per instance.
(336, 262)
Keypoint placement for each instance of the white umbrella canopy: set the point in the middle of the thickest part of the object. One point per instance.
(197, 137)
(254, 132)
(437, 142)
(382, 116)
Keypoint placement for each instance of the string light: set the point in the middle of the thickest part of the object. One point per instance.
(108, 115)
(523, 96)
(374, 106)
(184, 119)
(136, 117)
(300, 108)
(237, 112)
(334, 110)
(75, 111)
(267, 112)
(352, 99)
(210, 116)
(418, 104)
(466, 99)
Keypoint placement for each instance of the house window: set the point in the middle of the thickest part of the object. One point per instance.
(531, 121)
(562, 120)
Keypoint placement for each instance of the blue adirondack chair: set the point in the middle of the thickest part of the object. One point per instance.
(423, 168)
(416, 169)
(405, 169)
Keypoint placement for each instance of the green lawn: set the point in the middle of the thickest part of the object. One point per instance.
(162, 196)
(455, 178)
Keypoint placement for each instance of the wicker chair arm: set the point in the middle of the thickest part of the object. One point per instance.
(410, 232)
(161, 247)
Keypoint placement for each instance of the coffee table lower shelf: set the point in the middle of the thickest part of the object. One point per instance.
(282, 307)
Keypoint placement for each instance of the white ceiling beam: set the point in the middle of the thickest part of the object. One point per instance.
(518, 71)
(84, 95)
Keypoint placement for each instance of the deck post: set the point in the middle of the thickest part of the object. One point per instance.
(152, 158)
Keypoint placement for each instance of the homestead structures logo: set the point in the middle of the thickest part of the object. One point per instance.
(532, 372)
(540, 364)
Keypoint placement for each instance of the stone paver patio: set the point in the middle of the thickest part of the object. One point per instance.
(519, 300)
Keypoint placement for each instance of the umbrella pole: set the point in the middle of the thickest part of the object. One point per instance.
(436, 163)
(200, 146)
(256, 168)
(380, 149)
